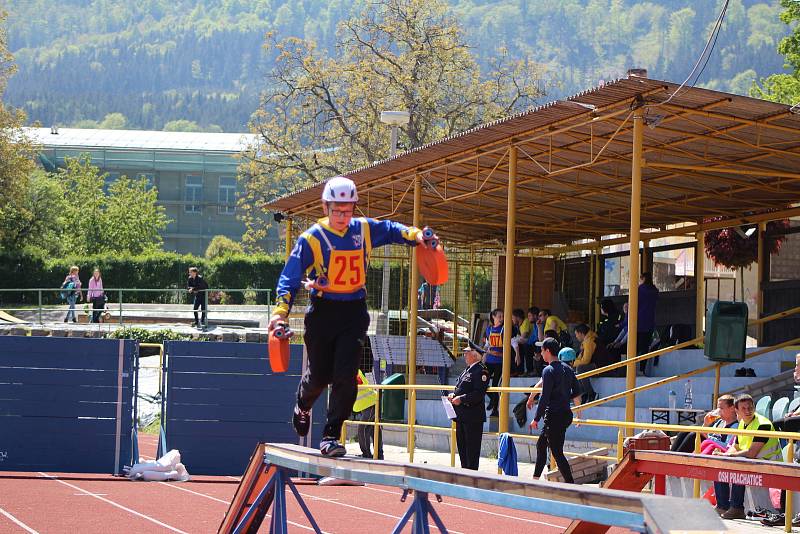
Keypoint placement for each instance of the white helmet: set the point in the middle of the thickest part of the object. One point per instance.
(340, 189)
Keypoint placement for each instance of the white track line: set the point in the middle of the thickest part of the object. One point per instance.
(337, 502)
(226, 503)
(477, 510)
(112, 503)
(18, 522)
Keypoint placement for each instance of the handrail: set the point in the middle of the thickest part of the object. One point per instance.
(134, 306)
(665, 350)
(674, 378)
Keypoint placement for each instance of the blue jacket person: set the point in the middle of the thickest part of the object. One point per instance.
(334, 254)
(467, 399)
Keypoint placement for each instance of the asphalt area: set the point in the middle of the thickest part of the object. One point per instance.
(79, 503)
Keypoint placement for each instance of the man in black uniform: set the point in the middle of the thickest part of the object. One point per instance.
(197, 287)
(559, 385)
(467, 400)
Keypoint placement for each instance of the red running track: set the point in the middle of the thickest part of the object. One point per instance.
(64, 503)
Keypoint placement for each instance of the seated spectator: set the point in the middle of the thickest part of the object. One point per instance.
(553, 323)
(618, 347)
(517, 343)
(609, 326)
(533, 362)
(589, 349)
(791, 421)
(723, 417)
(730, 497)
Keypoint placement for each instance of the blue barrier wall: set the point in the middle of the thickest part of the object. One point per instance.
(221, 399)
(66, 404)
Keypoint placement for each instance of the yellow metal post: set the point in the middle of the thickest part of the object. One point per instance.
(717, 370)
(455, 308)
(700, 283)
(633, 269)
(530, 287)
(598, 283)
(508, 303)
(376, 436)
(620, 443)
(590, 318)
(452, 443)
(343, 437)
(288, 239)
(411, 364)
(471, 286)
(788, 510)
(761, 265)
(697, 442)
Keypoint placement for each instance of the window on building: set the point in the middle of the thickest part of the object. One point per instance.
(227, 195)
(194, 194)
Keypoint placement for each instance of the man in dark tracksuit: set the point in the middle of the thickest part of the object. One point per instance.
(559, 385)
(467, 400)
(197, 286)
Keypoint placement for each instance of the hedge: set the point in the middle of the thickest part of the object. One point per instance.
(160, 270)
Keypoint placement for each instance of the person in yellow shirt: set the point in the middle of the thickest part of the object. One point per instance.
(588, 350)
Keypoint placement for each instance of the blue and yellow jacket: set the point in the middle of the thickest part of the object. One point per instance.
(342, 257)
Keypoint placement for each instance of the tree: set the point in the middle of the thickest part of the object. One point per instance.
(114, 121)
(17, 153)
(126, 219)
(222, 246)
(785, 88)
(37, 220)
(320, 114)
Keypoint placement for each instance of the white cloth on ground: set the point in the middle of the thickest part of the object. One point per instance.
(168, 467)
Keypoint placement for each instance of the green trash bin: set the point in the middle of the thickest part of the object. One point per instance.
(393, 401)
(726, 332)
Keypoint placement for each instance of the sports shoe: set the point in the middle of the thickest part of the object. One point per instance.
(773, 520)
(734, 513)
(301, 420)
(331, 447)
(796, 520)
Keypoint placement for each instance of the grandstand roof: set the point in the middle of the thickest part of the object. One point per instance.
(141, 139)
(707, 154)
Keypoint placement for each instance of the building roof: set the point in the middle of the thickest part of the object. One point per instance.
(141, 139)
(707, 154)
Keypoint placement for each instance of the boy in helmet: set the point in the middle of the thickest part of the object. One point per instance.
(334, 254)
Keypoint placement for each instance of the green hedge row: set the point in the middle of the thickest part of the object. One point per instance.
(157, 270)
(160, 270)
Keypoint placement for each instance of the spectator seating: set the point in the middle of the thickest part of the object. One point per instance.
(779, 409)
(764, 405)
(794, 405)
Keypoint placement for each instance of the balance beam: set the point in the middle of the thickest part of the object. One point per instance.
(635, 511)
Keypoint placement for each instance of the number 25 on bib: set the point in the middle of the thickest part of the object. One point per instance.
(346, 271)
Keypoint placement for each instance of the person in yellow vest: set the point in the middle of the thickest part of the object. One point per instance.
(365, 408)
(730, 497)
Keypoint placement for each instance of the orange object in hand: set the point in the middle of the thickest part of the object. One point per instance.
(278, 348)
(431, 259)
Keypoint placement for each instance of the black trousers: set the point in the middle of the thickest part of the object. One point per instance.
(98, 304)
(366, 433)
(335, 335)
(496, 373)
(553, 434)
(199, 304)
(643, 340)
(468, 441)
(684, 442)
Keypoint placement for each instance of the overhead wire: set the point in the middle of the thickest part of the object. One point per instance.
(704, 57)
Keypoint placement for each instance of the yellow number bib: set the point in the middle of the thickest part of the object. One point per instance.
(346, 271)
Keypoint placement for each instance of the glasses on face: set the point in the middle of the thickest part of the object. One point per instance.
(342, 213)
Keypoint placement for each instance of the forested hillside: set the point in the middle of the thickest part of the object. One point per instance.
(157, 61)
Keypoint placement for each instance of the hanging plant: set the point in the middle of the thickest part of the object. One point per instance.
(733, 250)
(736, 250)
